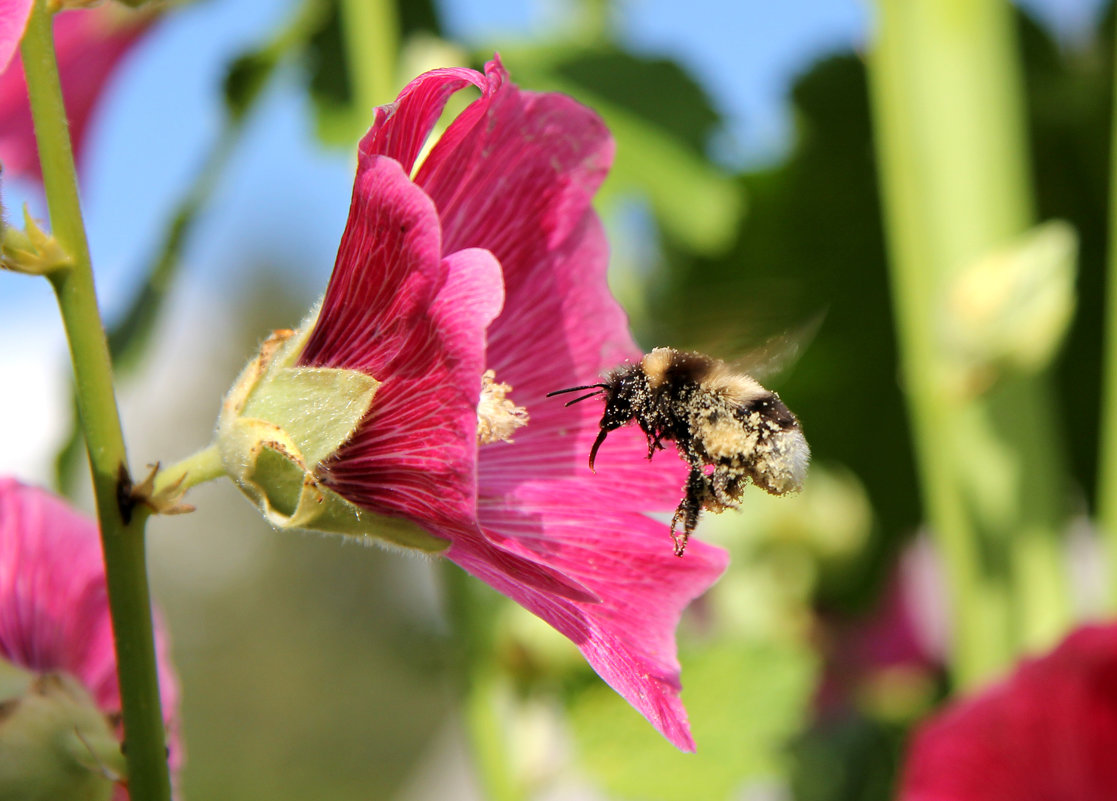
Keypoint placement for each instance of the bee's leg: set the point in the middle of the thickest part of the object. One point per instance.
(652, 436)
(727, 484)
(697, 486)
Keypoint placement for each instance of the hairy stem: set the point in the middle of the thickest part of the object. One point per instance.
(122, 540)
(198, 468)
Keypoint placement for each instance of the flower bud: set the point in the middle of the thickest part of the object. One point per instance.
(54, 741)
(1010, 311)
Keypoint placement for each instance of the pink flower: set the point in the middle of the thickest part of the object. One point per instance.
(1046, 733)
(88, 44)
(489, 256)
(54, 614)
(13, 19)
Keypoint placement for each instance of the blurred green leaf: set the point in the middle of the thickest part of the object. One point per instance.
(745, 702)
(853, 759)
(247, 77)
(330, 88)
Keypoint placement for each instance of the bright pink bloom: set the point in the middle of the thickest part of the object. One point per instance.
(1046, 733)
(54, 614)
(489, 256)
(13, 19)
(88, 43)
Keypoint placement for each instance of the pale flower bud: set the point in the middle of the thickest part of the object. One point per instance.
(54, 741)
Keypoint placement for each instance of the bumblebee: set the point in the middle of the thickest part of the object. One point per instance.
(729, 429)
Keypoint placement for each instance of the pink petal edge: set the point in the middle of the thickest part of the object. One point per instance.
(13, 21)
(622, 556)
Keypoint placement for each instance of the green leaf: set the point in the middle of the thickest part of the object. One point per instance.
(247, 77)
(659, 92)
(746, 700)
(330, 86)
(339, 119)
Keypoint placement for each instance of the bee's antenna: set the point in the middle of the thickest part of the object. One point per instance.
(583, 397)
(576, 389)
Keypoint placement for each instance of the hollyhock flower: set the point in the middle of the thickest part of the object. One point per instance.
(89, 44)
(1048, 732)
(54, 615)
(470, 285)
(13, 19)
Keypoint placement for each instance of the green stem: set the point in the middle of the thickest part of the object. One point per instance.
(1107, 463)
(198, 468)
(371, 32)
(953, 170)
(122, 542)
(473, 610)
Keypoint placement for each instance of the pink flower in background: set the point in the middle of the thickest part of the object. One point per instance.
(489, 256)
(13, 19)
(901, 639)
(1046, 733)
(54, 614)
(89, 43)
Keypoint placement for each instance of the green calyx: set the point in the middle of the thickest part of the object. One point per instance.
(31, 251)
(280, 422)
(54, 741)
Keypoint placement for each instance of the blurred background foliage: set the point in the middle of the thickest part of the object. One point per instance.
(312, 669)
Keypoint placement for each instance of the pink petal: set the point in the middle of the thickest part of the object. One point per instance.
(397, 311)
(13, 19)
(400, 128)
(626, 559)
(516, 175)
(387, 273)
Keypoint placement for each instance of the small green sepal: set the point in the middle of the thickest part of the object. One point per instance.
(32, 250)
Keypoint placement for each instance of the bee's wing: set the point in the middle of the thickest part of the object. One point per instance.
(775, 354)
